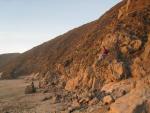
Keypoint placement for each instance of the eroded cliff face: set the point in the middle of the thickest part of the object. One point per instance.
(72, 58)
(127, 39)
(70, 63)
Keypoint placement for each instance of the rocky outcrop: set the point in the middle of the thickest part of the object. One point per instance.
(85, 78)
(124, 9)
(135, 101)
(71, 64)
(138, 70)
(108, 99)
(70, 60)
(119, 89)
(118, 70)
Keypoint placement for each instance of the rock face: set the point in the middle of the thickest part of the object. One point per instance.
(71, 61)
(118, 70)
(93, 101)
(137, 101)
(108, 99)
(87, 80)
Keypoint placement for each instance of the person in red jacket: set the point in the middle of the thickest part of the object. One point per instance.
(106, 51)
(104, 54)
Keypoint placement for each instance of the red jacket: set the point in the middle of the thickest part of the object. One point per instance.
(106, 51)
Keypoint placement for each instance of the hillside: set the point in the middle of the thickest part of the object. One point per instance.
(56, 51)
(81, 46)
(78, 49)
(75, 52)
(70, 61)
(5, 58)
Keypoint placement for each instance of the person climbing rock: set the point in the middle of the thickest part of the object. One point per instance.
(104, 54)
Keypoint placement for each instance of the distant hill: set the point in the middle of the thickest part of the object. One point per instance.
(5, 58)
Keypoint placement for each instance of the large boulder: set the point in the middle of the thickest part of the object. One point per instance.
(72, 84)
(137, 70)
(117, 70)
(135, 45)
(85, 79)
(129, 45)
(30, 89)
(108, 99)
(134, 102)
(118, 89)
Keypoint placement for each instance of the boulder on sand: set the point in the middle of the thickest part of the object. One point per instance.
(30, 89)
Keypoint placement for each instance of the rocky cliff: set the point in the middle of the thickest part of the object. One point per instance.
(71, 61)
(124, 31)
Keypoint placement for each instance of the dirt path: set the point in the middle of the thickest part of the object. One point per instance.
(13, 99)
(11, 89)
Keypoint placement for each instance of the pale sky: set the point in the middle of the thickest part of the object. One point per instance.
(28, 23)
